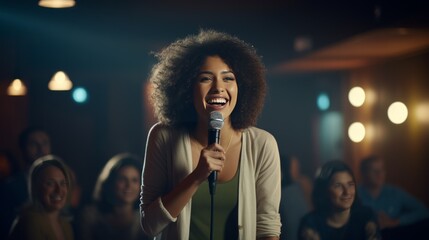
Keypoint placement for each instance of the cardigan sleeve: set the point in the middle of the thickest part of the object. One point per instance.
(268, 187)
(154, 217)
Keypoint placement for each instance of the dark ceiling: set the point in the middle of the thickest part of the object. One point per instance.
(97, 35)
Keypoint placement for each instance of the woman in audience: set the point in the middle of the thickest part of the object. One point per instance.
(337, 213)
(115, 214)
(49, 189)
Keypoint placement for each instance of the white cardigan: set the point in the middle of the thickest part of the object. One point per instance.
(168, 160)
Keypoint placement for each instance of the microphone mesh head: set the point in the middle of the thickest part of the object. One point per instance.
(216, 120)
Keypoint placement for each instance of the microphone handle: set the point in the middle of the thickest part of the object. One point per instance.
(214, 137)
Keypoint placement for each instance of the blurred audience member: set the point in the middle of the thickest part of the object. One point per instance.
(337, 214)
(305, 183)
(34, 143)
(49, 190)
(401, 216)
(115, 212)
(293, 205)
(8, 167)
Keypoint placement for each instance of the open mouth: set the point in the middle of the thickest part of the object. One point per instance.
(217, 101)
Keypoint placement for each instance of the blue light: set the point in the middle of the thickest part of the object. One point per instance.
(323, 101)
(80, 95)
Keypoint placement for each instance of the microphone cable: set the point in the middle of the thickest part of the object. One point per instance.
(211, 215)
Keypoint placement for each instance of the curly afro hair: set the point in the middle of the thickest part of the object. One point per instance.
(177, 68)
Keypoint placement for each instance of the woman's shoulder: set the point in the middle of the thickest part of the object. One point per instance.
(258, 133)
(31, 213)
(162, 130)
(311, 225)
(29, 219)
(159, 127)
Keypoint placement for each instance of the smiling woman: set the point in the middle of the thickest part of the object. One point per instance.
(195, 76)
(338, 214)
(114, 212)
(49, 184)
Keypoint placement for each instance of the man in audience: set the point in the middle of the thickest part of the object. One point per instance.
(399, 213)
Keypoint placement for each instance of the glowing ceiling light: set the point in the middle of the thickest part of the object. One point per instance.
(60, 82)
(57, 3)
(16, 88)
(357, 96)
(356, 132)
(397, 112)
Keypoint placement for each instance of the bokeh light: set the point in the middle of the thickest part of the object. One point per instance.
(323, 101)
(357, 96)
(356, 132)
(80, 95)
(397, 112)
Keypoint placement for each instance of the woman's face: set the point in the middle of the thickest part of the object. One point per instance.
(127, 185)
(342, 190)
(215, 88)
(53, 188)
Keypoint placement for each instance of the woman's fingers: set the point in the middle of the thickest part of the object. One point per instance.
(212, 158)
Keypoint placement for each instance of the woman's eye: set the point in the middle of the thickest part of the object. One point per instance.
(204, 78)
(49, 183)
(229, 78)
(136, 180)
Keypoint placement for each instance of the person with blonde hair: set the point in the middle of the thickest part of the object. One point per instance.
(49, 190)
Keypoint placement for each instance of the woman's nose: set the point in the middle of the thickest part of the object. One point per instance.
(218, 85)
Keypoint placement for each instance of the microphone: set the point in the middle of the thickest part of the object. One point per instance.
(215, 124)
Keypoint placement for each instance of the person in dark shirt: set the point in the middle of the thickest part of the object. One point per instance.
(337, 214)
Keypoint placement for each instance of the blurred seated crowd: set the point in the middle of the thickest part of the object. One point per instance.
(40, 196)
(40, 199)
(340, 208)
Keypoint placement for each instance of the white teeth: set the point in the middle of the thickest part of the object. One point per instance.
(217, 100)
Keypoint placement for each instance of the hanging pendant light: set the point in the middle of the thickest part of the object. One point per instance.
(57, 3)
(16, 88)
(60, 82)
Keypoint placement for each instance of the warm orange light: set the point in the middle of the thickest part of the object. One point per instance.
(16, 88)
(422, 112)
(57, 3)
(60, 82)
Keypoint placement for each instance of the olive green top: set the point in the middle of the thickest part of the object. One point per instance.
(225, 211)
